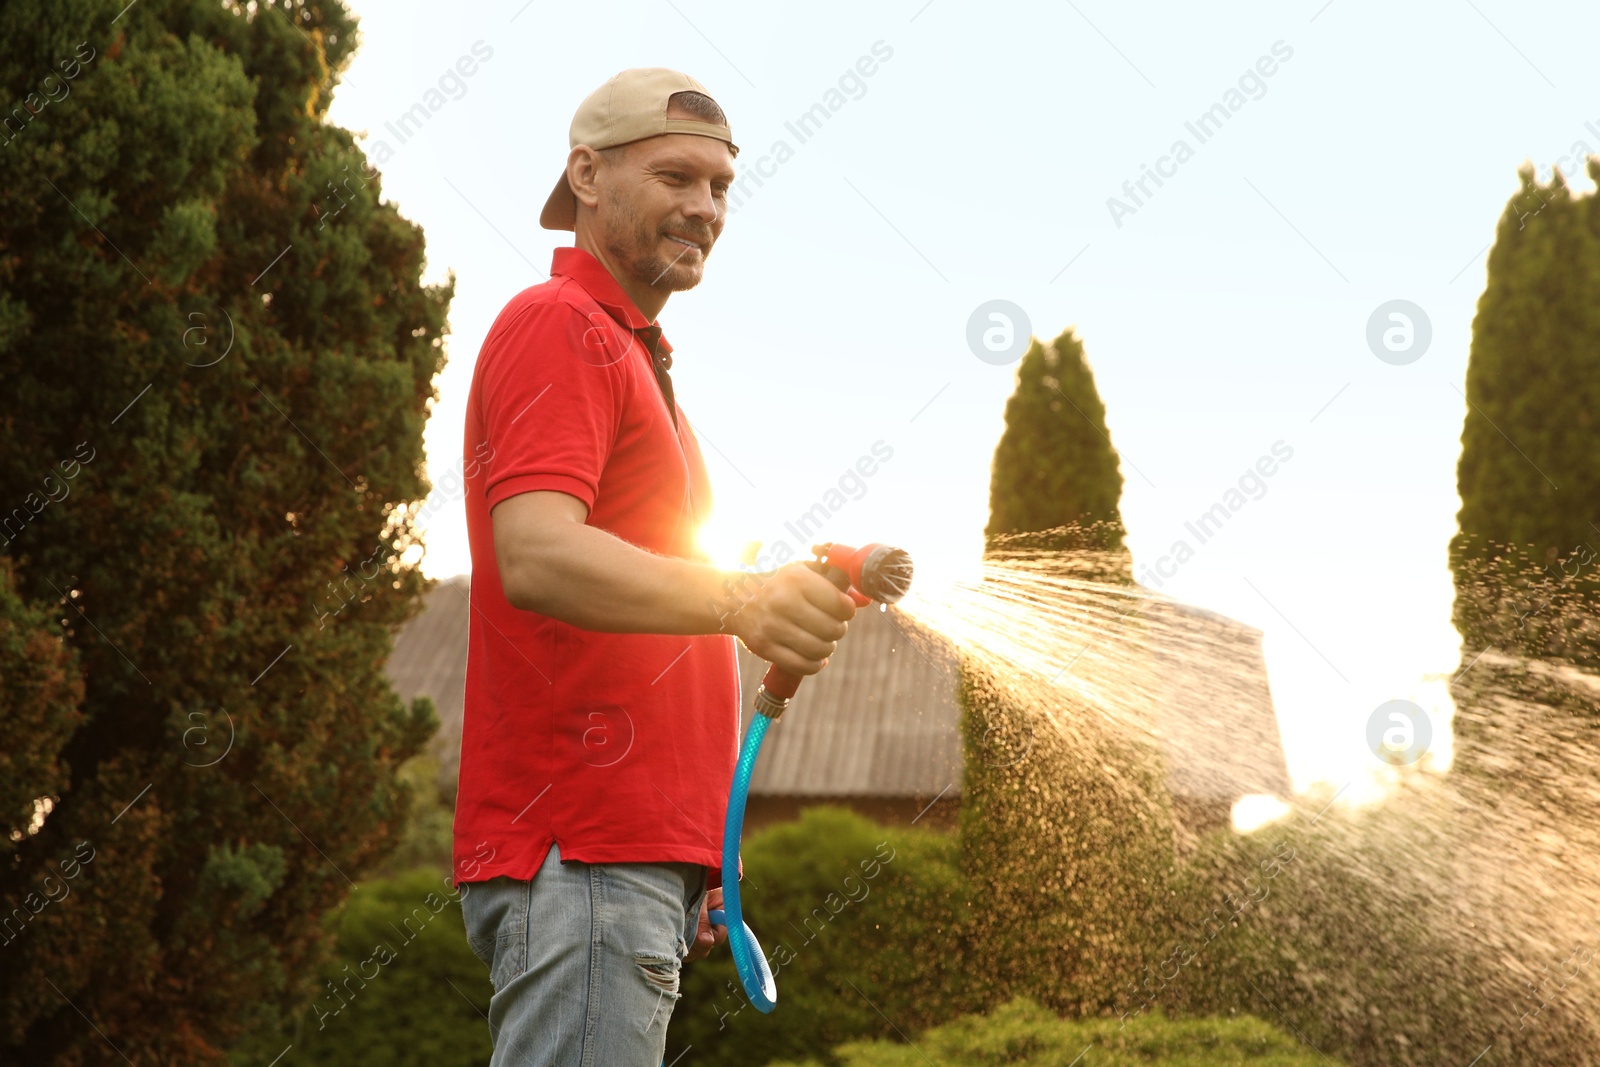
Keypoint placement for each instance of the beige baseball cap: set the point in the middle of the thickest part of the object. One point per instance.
(629, 107)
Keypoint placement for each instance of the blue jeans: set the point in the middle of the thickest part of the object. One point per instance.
(584, 959)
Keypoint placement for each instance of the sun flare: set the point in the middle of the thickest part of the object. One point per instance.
(727, 540)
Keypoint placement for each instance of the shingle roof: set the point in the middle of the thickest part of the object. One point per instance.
(430, 659)
(1214, 705)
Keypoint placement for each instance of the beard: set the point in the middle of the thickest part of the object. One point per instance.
(635, 245)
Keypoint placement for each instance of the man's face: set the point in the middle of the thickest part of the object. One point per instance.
(663, 205)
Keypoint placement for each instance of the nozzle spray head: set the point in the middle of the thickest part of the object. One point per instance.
(876, 572)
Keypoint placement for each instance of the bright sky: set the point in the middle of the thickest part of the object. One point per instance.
(1366, 153)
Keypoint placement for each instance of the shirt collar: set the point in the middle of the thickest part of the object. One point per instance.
(592, 275)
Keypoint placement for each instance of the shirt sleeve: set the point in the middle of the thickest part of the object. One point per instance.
(552, 401)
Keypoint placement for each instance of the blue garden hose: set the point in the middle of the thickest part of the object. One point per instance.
(754, 974)
(748, 959)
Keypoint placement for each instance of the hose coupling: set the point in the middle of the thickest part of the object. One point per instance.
(771, 706)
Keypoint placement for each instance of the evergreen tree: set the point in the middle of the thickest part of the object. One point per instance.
(1529, 472)
(1055, 468)
(216, 357)
(40, 691)
(1527, 555)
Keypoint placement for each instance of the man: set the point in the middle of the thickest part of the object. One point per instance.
(602, 698)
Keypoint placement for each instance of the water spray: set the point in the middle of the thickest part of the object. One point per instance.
(870, 574)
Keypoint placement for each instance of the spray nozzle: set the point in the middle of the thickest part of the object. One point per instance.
(875, 572)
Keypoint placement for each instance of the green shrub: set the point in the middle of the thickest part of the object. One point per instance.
(428, 837)
(404, 989)
(1533, 377)
(1024, 1034)
(856, 918)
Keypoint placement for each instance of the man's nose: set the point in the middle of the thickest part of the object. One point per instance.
(703, 206)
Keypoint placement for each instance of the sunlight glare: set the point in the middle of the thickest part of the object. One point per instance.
(726, 540)
(1254, 810)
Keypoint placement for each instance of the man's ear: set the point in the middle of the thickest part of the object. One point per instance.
(583, 174)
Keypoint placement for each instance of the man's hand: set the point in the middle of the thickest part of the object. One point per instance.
(793, 618)
(708, 936)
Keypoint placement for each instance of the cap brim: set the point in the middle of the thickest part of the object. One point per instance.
(561, 208)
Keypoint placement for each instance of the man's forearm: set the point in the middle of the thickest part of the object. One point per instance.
(592, 579)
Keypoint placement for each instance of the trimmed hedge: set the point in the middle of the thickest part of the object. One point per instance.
(1066, 836)
(856, 918)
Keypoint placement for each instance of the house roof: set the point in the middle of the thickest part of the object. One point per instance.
(430, 659)
(1213, 707)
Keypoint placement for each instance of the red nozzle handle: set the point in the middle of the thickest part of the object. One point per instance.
(780, 683)
(843, 569)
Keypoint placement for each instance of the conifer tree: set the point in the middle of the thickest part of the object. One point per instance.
(1529, 472)
(216, 356)
(1055, 468)
(1526, 558)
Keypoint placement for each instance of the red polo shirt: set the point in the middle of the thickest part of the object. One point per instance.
(618, 747)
